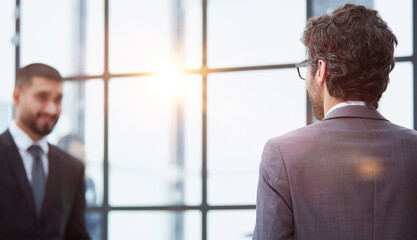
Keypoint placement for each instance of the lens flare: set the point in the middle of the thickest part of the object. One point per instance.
(169, 83)
(370, 169)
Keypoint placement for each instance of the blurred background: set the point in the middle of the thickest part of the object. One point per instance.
(169, 102)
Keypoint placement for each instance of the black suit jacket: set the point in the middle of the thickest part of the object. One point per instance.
(351, 176)
(62, 214)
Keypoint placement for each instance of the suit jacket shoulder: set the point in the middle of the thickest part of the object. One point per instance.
(65, 159)
(342, 126)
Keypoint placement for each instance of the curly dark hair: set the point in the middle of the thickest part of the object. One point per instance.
(358, 49)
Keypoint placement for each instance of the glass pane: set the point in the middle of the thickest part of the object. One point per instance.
(236, 225)
(193, 34)
(160, 29)
(80, 132)
(60, 34)
(155, 225)
(255, 32)
(94, 38)
(244, 110)
(93, 222)
(399, 16)
(321, 7)
(155, 140)
(7, 56)
(396, 103)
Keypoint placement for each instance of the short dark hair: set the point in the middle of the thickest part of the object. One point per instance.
(24, 75)
(358, 49)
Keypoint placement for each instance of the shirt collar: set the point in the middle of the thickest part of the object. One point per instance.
(23, 141)
(344, 104)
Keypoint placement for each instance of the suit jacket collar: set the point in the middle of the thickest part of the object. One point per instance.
(355, 111)
(23, 141)
(16, 163)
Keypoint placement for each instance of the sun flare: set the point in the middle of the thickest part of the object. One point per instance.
(169, 82)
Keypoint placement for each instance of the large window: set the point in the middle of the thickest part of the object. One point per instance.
(7, 63)
(170, 102)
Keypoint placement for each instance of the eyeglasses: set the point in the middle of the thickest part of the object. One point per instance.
(302, 68)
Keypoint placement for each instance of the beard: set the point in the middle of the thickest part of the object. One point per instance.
(41, 129)
(316, 99)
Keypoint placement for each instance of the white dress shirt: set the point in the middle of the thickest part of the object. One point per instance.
(344, 104)
(23, 142)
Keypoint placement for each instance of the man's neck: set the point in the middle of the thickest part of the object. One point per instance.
(329, 101)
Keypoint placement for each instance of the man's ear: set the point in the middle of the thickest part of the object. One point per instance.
(16, 95)
(322, 72)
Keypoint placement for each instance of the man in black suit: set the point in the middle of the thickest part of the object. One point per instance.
(354, 174)
(41, 187)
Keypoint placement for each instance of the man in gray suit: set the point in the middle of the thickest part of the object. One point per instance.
(354, 174)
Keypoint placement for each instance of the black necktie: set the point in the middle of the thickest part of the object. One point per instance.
(38, 177)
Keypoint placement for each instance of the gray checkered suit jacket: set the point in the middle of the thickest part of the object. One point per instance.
(351, 176)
